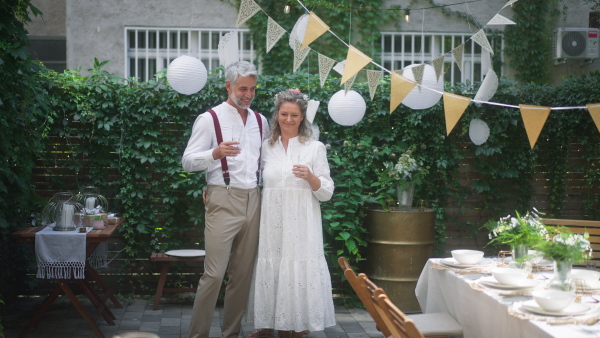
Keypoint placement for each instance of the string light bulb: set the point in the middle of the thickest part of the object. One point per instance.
(286, 9)
(407, 15)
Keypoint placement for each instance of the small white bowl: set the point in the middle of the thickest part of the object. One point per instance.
(467, 256)
(510, 276)
(553, 300)
(589, 277)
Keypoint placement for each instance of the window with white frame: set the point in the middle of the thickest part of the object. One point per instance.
(401, 49)
(148, 50)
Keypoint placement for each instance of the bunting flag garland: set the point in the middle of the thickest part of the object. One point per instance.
(400, 87)
(315, 28)
(438, 65)
(458, 55)
(418, 74)
(339, 67)
(594, 109)
(299, 55)
(373, 78)
(510, 2)
(349, 83)
(482, 40)
(247, 10)
(488, 87)
(500, 20)
(355, 61)
(534, 118)
(274, 33)
(454, 107)
(325, 65)
(311, 110)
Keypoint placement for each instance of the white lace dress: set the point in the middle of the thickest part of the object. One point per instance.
(292, 286)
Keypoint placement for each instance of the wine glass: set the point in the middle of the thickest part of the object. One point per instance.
(236, 136)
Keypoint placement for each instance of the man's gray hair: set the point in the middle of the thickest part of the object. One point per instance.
(240, 69)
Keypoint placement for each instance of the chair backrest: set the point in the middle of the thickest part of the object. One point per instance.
(396, 321)
(363, 295)
(580, 227)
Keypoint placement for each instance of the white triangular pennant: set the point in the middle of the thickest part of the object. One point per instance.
(373, 78)
(438, 66)
(299, 55)
(325, 65)
(482, 40)
(274, 33)
(247, 10)
(458, 55)
(348, 84)
(500, 20)
(311, 110)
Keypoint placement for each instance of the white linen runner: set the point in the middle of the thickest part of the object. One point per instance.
(60, 254)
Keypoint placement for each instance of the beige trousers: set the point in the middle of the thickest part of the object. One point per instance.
(231, 238)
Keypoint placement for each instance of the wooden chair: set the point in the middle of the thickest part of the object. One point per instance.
(363, 295)
(580, 227)
(425, 325)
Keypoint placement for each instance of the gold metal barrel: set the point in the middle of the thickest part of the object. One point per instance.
(400, 244)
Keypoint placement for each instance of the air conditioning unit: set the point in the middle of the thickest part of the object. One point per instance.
(576, 43)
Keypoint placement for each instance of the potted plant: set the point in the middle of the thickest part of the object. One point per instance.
(565, 248)
(406, 174)
(98, 222)
(520, 232)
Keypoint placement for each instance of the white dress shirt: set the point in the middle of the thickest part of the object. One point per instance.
(242, 168)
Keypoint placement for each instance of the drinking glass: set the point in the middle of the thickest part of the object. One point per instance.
(236, 135)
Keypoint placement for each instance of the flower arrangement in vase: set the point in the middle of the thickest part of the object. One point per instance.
(406, 173)
(520, 232)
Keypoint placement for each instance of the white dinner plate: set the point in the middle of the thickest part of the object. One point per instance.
(186, 253)
(451, 262)
(492, 283)
(572, 310)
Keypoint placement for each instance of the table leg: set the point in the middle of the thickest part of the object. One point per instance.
(98, 280)
(40, 312)
(64, 285)
(164, 270)
(96, 301)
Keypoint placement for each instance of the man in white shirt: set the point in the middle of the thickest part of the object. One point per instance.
(232, 201)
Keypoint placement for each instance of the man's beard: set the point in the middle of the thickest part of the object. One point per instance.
(239, 103)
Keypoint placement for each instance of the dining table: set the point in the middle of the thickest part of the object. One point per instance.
(93, 238)
(485, 308)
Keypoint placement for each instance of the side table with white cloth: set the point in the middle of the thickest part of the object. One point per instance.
(484, 312)
(63, 256)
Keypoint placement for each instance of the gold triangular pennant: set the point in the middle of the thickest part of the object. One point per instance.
(594, 110)
(534, 118)
(325, 65)
(454, 107)
(247, 10)
(482, 40)
(274, 33)
(355, 61)
(373, 78)
(458, 55)
(315, 28)
(438, 66)
(400, 87)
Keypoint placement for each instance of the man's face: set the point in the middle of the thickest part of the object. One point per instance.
(242, 93)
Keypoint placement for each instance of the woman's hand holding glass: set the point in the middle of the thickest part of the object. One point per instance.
(299, 170)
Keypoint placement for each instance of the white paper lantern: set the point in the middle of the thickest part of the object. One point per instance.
(347, 109)
(478, 131)
(229, 51)
(299, 31)
(424, 98)
(187, 75)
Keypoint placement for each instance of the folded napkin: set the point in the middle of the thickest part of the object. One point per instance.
(60, 254)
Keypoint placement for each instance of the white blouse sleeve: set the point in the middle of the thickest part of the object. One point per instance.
(321, 170)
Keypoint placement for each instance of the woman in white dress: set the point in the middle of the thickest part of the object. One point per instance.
(292, 288)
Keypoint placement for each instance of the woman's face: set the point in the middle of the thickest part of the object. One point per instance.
(289, 118)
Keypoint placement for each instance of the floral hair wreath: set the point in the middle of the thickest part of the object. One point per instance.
(293, 90)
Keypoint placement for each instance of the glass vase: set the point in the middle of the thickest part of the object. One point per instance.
(519, 251)
(405, 195)
(562, 276)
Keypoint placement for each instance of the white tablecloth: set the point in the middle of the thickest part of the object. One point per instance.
(484, 314)
(60, 254)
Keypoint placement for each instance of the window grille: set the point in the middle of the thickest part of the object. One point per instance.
(148, 50)
(402, 49)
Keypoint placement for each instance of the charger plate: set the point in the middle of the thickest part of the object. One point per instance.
(186, 253)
